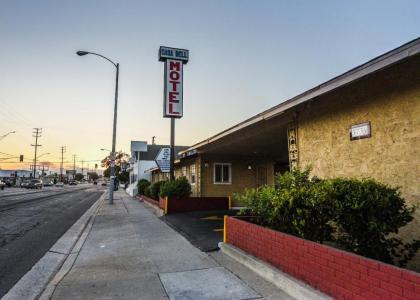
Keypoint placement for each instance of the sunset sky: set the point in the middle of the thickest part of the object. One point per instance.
(245, 56)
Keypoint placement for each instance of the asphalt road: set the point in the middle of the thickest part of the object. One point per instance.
(32, 221)
(203, 229)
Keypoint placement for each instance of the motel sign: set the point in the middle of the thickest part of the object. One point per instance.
(173, 100)
(173, 80)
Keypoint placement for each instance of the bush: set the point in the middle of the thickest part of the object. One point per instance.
(147, 192)
(357, 215)
(178, 188)
(297, 205)
(367, 213)
(155, 189)
(142, 185)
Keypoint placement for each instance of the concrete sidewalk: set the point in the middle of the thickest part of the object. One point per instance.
(130, 254)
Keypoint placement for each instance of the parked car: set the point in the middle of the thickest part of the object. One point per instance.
(35, 184)
(73, 182)
(59, 184)
(103, 183)
(25, 184)
(95, 182)
(48, 183)
(2, 185)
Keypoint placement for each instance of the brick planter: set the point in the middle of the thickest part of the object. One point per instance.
(188, 204)
(340, 274)
(148, 200)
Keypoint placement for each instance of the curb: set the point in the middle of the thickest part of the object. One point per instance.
(34, 282)
(287, 283)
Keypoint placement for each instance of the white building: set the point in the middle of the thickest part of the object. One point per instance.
(142, 161)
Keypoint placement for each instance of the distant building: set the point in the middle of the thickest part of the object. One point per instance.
(142, 162)
(11, 174)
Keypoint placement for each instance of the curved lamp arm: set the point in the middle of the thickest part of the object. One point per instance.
(81, 53)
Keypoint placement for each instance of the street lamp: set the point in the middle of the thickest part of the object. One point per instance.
(4, 135)
(112, 175)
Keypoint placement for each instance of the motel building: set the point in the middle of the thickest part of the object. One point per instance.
(363, 123)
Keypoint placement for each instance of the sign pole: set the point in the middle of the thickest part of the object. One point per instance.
(172, 157)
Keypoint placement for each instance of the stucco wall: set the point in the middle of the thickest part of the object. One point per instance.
(242, 177)
(391, 102)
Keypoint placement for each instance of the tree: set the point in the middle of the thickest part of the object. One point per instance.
(120, 159)
(92, 175)
(78, 176)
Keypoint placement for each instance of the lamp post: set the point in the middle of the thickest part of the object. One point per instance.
(114, 129)
(4, 135)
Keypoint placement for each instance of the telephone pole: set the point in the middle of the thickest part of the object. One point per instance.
(74, 166)
(83, 176)
(36, 134)
(63, 149)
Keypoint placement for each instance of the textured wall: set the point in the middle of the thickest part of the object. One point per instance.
(241, 177)
(390, 100)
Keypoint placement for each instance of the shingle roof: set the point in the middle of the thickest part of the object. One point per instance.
(153, 150)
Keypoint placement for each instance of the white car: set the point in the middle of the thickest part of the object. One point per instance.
(2, 185)
(59, 184)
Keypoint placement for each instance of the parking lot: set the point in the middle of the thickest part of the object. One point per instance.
(203, 229)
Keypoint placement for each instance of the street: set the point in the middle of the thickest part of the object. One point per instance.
(31, 221)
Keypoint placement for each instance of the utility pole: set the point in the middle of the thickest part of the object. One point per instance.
(74, 166)
(172, 157)
(63, 149)
(83, 176)
(36, 134)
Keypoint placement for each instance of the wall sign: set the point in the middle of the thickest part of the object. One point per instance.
(292, 143)
(173, 100)
(360, 131)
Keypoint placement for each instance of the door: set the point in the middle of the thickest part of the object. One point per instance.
(261, 176)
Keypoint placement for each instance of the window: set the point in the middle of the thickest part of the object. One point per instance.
(192, 174)
(184, 171)
(222, 173)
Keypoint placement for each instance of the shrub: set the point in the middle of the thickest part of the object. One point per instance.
(147, 192)
(142, 185)
(368, 215)
(178, 188)
(361, 216)
(155, 189)
(297, 205)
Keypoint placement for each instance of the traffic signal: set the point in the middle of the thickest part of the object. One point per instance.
(21, 158)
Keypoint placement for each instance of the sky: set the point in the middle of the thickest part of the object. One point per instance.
(245, 57)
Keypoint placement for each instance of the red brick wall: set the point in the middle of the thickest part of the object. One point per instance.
(340, 274)
(162, 202)
(197, 204)
(149, 200)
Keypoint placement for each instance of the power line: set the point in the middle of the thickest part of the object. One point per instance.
(36, 134)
